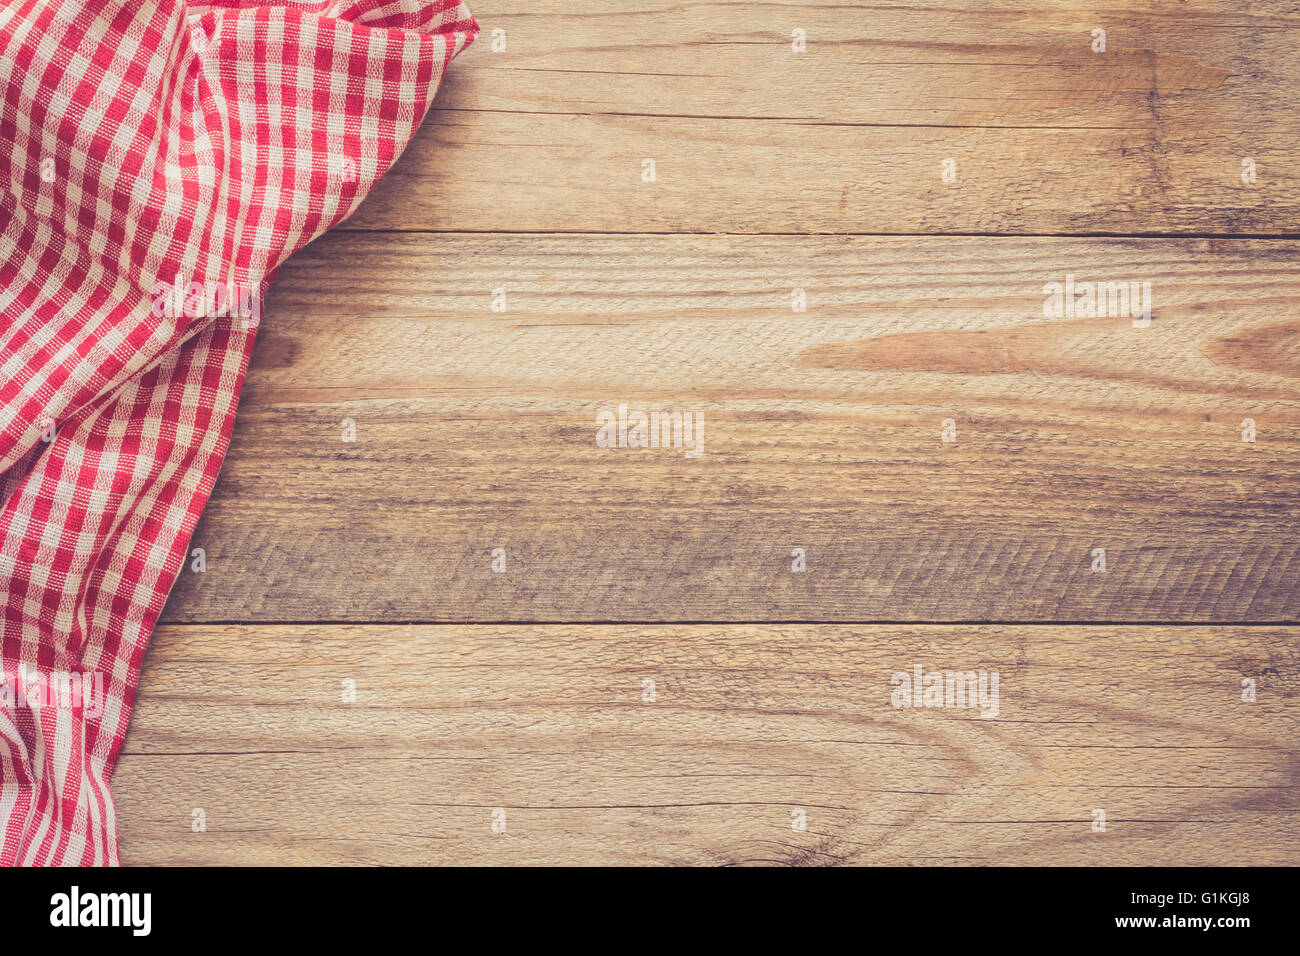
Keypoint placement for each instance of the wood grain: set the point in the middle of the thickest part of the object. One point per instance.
(1048, 136)
(477, 430)
(747, 724)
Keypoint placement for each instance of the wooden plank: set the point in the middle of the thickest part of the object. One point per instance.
(747, 725)
(477, 430)
(1047, 135)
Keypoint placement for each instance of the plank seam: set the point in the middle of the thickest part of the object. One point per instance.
(728, 623)
(1280, 236)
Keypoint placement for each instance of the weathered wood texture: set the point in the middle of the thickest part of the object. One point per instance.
(747, 725)
(477, 430)
(748, 136)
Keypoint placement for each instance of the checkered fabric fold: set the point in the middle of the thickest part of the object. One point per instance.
(158, 161)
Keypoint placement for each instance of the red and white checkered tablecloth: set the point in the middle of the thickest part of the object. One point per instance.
(158, 162)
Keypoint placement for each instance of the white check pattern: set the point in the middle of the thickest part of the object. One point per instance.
(146, 146)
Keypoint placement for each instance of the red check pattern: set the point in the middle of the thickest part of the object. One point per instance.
(147, 147)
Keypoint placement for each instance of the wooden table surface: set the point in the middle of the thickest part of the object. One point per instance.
(840, 250)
